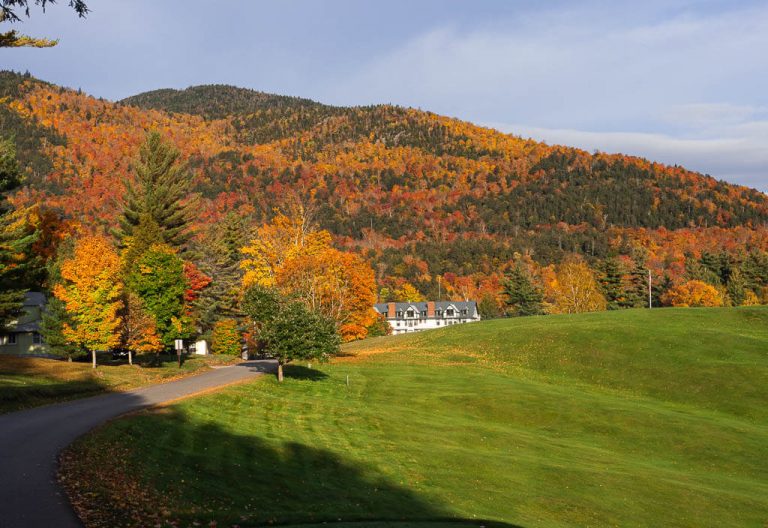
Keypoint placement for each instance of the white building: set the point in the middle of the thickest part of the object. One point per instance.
(415, 316)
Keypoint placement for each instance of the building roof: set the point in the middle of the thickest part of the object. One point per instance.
(35, 299)
(471, 306)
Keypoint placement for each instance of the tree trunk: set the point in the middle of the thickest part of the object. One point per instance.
(130, 357)
(93, 357)
(280, 372)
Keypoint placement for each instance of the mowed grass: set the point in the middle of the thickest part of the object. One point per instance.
(29, 382)
(632, 418)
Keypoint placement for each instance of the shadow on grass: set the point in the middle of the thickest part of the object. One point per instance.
(303, 373)
(202, 472)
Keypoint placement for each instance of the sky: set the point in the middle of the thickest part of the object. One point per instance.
(681, 82)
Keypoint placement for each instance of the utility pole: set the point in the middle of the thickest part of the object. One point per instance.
(650, 297)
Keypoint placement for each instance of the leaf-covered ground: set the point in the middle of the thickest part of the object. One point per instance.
(632, 418)
(29, 382)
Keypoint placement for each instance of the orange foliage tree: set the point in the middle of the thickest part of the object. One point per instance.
(90, 290)
(300, 262)
(693, 293)
(139, 329)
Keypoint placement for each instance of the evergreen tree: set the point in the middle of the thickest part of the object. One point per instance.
(16, 239)
(612, 284)
(161, 191)
(736, 288)
(218, 255)
(523, 296)
(755, 270)
(55, 317)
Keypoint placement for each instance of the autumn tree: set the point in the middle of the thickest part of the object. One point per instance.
(161, 191)
(575, 289)
(523, 297)
(225, 338)
(290, 255)
(90, 291)
(692, 294)
(138, 329)
(158, 279)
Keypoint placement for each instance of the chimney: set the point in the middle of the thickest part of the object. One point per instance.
(431, 309)
(390, 310)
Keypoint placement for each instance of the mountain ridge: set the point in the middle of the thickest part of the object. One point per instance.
(419, 194)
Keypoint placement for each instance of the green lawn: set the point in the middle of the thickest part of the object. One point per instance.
(29, 382)
(631, 418)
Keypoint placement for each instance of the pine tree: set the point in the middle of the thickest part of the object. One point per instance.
(16, 239)
(218, 255)
(736, 288)
(161, 191)
(54, 319)
(611, 284)
(523, 296)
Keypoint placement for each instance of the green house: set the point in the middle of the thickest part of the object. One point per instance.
(23, 336)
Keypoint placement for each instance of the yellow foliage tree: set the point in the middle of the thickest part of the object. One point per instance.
(90, 292)
(290, 255)
(573, 289)
(693, 293)
(750, 299)
(277, 242)
(408, 293)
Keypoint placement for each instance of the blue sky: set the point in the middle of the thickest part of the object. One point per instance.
(675, 81)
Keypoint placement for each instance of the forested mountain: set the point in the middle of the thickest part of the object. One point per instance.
(441, 203)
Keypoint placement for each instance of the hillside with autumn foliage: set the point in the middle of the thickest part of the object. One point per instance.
(437, 206)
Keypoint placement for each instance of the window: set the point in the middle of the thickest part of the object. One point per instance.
(9, 339)
(438, 323)
(399, 314)
(439, 313)
(398, 323)
(463, 311)
(449, 312)
(37, 339)
(409, 313)
(423, 313)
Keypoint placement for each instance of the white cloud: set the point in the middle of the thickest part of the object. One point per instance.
(687, 87)
(739, 155)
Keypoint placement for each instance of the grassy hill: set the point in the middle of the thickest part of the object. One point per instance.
(633, 418)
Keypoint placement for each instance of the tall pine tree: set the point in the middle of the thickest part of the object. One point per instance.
(523, 296)
(16, 239)
(161, 191)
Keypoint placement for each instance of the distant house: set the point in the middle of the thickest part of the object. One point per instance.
(23, 336)
(416, 316)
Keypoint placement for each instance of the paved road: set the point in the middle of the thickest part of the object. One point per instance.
(30, 442)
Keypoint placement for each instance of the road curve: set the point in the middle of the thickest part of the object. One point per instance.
(30, 442)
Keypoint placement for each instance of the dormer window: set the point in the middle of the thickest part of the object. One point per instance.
(463, 311)
(399, 314)
(409, 313)
(423, 313)
(439, 313)
(449, 312)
